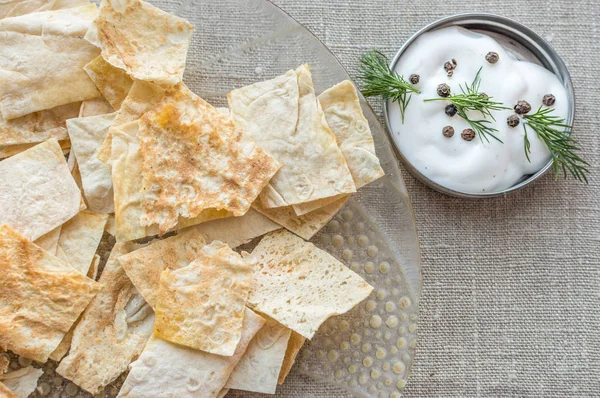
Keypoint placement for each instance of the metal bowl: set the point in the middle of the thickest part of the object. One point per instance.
(524, 44)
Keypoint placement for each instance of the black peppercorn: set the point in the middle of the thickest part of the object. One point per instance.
(448, 131)
(468, 135)
(548, 100)
(513, 120)
(449, 67)
(522, 107)
(443, 90)
(414, 79)
(450, 110)
(492, 57)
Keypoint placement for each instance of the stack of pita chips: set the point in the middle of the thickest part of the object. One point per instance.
(185, 314)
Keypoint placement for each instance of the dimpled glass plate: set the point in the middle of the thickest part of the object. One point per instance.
(368, 351)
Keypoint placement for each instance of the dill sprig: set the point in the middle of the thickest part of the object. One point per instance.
(471, 99)
(556, 134)
(378, 79)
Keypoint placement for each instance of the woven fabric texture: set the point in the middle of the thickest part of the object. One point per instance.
(511, 286)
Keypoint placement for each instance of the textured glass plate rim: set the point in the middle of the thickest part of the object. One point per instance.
(511, 29)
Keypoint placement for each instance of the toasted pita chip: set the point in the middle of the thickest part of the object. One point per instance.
(74, 169)
(28, 85)
(87, 134)
(305, 226)
(93, 271)
(179, 371)
(4, 362)
(5, 392)
(293, 348)
(37, 127)
(344, 116)
(49, 241)
(42, 297)
(142, 97)
(210, 163)
(112, 331)
(94, 107)
(145, 265)
(259, 368)
(64, 345)
(300, 285)
(11, 150)
(37, 191)
(113, 83)
(202, 305)
(15, 8)
(127, 32)
(305, 208)
(126, 169)
(236, 231)
(22, 382)
(80, 237)
(128, 196)
(110, 225)
(284, 118)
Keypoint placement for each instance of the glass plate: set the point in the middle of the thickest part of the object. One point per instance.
(368, 351)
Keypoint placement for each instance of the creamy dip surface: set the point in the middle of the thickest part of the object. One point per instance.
(471, 166)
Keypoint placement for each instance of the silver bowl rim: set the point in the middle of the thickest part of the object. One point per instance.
(550, 58)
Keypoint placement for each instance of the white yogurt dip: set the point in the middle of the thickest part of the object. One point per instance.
(471, 166)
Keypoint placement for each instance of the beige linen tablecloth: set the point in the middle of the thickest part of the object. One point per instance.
(511, 286)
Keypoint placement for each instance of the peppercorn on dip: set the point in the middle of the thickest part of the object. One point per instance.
(178, 185)
(467, 128)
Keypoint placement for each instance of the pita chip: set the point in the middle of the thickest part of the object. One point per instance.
(305, 226)
(236, 231)
(259, 368)
(344, 116)
(211, 163)
(180, 371)
(293, 348)
(4, 362)
(300, 285)
(87, 134)
(283, 116)
(142, 97)
(112, 331)
(127, 187)
(5, 392)
(37, 190)
(15, 8)
(126, 169)
(29, 130)
(144, 266)
(113, 83)
(95, 106)
(202, 305)
(110, 225)
(93, 271)
(11, 150)
(28, 85)
(80, 237)
(65, 344)
(74, 169)
(49, 241)
(127, 32)
(22, 382)
(42, 296)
